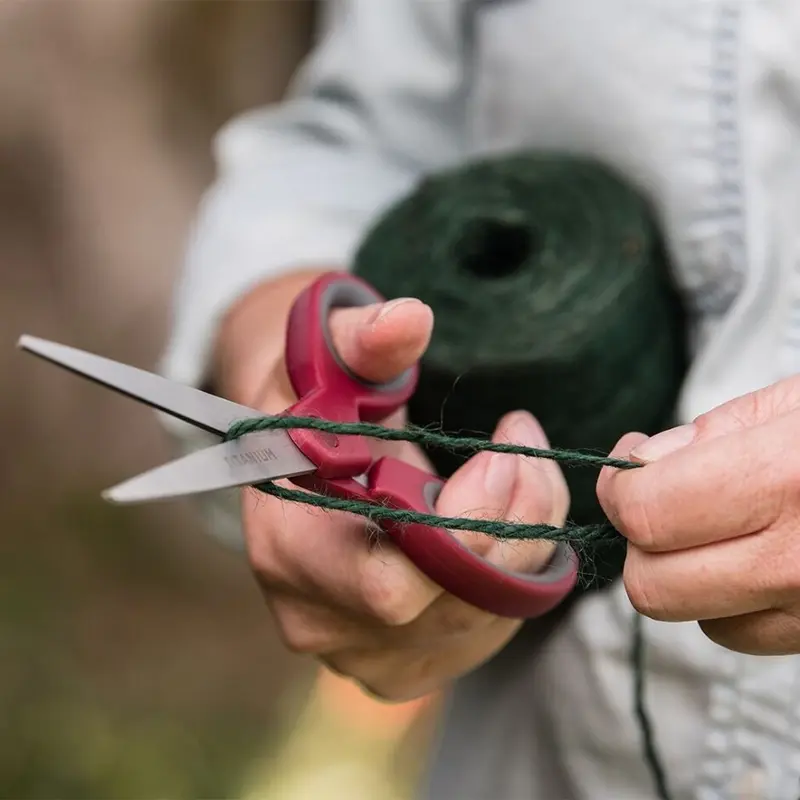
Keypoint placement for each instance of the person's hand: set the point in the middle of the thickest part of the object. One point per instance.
(713, 521)
(335, 592)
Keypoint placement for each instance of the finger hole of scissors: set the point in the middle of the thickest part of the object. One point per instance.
(349, 294)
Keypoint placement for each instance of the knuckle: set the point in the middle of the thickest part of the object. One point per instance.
(769, 483)
(366, 669)
(264, 561)
(391, 676)
(458, 618)
(274, 557)
(776, 400)
(391, 600)
(420, 678)
(386, 690)
(736, 415)
(299, 634)
(753, 409)
(393, 686)
(336, 664)
(399, 693)
(299, 641)
(260, 541)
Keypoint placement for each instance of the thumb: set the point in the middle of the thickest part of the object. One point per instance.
(379, 342)
(748, 411)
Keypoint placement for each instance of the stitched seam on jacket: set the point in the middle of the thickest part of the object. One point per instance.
(726, 206)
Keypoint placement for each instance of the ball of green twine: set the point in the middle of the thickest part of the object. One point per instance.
(551, 293)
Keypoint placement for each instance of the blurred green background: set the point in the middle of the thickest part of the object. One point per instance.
(136, 660)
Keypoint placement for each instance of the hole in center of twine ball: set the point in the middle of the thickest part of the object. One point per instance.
(492, 247)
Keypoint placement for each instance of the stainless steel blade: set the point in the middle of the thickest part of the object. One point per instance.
(206, 411)
(256, 457)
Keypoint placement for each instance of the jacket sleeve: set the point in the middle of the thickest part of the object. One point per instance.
(380, 101)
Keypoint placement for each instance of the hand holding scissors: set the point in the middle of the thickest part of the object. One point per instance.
(356, 606)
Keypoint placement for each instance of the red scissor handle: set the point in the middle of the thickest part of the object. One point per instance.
(326, 387)
(438, 554)
(329, 390)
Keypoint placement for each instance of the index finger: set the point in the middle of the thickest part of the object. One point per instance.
(709, 491)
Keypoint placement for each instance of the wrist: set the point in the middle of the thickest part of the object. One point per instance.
(251, 337)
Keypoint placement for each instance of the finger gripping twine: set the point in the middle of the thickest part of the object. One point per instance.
(580, 537)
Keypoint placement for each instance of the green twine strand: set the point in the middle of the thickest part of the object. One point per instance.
(464, 445)
(581, 537)
(657, 771)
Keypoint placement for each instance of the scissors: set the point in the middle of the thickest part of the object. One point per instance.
(341, 466)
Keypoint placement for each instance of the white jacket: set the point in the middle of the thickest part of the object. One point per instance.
(698, 103)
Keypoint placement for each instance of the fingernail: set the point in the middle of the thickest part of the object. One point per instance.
(664, 443)
(502, 470)
(500, 477)
(383, 311)
(526, 430)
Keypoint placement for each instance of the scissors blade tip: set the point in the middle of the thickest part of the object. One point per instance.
(110, 496)
(26, 342)
(134, 492)
(257, 457)
(42, 347)
(119, 495)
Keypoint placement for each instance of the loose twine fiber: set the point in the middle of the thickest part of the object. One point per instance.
(551, 293)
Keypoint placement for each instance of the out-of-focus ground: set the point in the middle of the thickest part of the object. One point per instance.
(136, 657)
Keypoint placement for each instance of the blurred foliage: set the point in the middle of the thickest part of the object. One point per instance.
(109, 689)
(136, 657)
(218, 58)
(77, 749)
